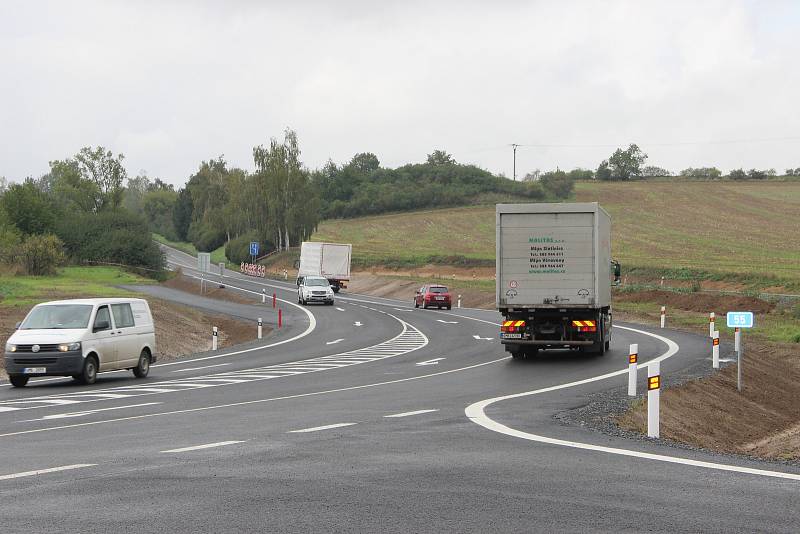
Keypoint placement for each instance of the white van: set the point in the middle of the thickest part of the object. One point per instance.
(80, 337)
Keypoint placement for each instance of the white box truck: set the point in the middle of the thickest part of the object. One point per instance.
(554, 277)
(329, 260)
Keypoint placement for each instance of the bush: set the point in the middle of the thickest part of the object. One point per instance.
(557, 184)
(238, 250)
(205, 237)
(40, 255)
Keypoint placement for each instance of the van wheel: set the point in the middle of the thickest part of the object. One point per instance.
(89, 374)
(18, 381)
(141, 370)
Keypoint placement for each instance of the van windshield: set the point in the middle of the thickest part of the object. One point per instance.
(58, 317)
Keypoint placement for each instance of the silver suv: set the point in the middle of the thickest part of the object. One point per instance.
(314, 289)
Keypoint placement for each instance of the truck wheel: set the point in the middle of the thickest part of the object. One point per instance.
(335, 289)
(18, 381)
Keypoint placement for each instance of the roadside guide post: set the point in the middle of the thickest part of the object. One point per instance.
(274, 299)
(222, 268)
(739, 320)
(653, 399)
(663, 316)
(263, 296)
(459, 301)
(711, 322)
(259, 328)
(633, 359)
(715, 349)
(214, 336)
(280, 318)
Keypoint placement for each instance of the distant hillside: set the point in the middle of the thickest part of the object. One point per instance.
(746, 230)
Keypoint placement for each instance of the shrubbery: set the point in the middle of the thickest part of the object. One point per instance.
(238, 250)
(40, 255)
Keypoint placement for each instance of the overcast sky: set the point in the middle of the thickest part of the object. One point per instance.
(169, 84)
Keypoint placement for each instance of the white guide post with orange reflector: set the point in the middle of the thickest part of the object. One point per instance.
(663, 316)
(633, 365)
(653, 399)
(715, 349)
(711, 326)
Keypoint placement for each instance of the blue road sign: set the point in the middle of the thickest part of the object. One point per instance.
(254, 248)
(740, 319)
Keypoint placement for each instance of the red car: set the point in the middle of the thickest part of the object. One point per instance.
(428, 296)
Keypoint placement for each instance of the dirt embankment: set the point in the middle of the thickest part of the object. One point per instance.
(698, 302)
(763, 420)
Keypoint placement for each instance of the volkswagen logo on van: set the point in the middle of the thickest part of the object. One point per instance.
(35, 348)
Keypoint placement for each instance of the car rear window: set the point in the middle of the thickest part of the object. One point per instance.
(438, 289)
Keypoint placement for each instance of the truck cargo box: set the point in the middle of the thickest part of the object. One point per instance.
(553, 256)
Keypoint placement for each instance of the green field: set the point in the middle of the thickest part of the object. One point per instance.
(71, 282)
(743, 232)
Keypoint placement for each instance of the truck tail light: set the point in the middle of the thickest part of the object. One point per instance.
(585, 326)
(512, 326)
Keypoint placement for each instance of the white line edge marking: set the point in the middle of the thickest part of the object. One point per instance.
(317, 428)
(246, 403)
(476, 413)
(45, 471)
(205, 446)
(198, 368)
(407, 414)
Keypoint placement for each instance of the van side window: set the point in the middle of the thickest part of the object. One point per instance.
(102, 315)
(123, 316)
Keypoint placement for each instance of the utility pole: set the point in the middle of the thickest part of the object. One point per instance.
(514, 146)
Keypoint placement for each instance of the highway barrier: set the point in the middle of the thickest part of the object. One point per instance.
(251, 269)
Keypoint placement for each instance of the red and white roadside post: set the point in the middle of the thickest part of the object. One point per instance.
(711, 323)
(274, 300)
(715, 349)
(653, 399)
(663, 316)
(214, 337)
(260, 328)
(280, 318)
(633, 366)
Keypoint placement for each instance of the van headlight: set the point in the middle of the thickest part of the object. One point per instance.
(11, 348)
(67, 347)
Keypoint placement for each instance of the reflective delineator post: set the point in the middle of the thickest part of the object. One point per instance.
(263, 296)
(633, 365)
(214, 337)
(274, 300)
(653, 399)
(459, 301)
(711, 326)
(260, 331)
(739, 357)
(737, 338)
(663, 316)
(280, 317)
(715, 349)
(662, 281)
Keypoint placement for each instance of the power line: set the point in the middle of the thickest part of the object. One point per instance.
(675, 143)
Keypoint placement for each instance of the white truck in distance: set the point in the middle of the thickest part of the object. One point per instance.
(554, 277)
(328, 260)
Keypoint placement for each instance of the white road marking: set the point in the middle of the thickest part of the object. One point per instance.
(45, 471)
(335, 341)
(340, 309)
(476, 336)
(476, 413)
(256, 401)
(434, 361)
(198, 368)
(206, 446)
(357, 323)
(317, 428)
(407, 414)
(447, 322)
(402, 309)
(87, 412)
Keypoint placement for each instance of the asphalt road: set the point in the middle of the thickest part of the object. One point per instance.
(366, 416)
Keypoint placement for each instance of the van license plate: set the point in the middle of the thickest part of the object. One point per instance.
(512, 336)
(34, 370)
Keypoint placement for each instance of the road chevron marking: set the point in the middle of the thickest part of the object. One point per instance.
(408, 340)
(476, 413)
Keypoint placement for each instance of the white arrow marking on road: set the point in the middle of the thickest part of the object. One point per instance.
(447, 322)
(357, 323)
(87, 412)
(476, 336)
(340, 309)
(335, 341)
(434, 361)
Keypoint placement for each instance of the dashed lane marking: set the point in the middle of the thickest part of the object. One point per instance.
(409, 414)
(45, 471)
(205, 446)
(318, 428)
